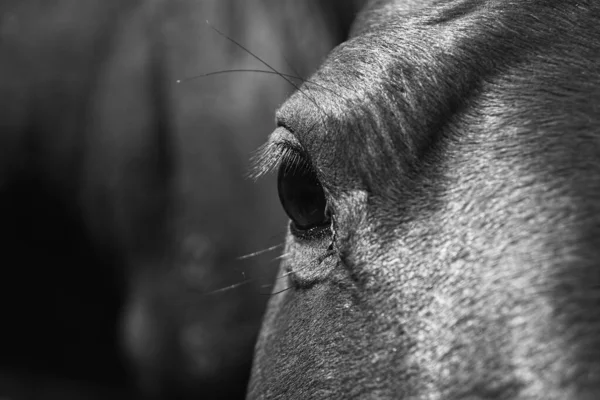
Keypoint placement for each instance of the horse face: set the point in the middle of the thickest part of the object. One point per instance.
(441, 175)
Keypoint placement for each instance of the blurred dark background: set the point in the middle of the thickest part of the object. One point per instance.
(123, 203)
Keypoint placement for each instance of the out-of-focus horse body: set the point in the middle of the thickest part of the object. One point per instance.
(123, 202)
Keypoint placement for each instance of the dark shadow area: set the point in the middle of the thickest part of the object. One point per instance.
(60, 296)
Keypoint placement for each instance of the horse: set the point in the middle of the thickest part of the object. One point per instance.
(441, 175)
(123, 201)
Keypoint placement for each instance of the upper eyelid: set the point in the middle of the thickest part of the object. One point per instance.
(275, 151)
(284, 134)
(278, 150)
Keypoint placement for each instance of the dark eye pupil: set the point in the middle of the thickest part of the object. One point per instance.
(302, 197)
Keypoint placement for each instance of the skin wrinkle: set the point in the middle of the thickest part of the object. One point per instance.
(466, 134)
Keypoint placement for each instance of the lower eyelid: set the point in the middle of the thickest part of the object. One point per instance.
(317, 233)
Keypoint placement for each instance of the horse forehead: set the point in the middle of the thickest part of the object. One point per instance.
(417, 50)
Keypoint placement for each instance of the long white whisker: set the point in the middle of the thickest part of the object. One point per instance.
(226, 288)
(257, 253)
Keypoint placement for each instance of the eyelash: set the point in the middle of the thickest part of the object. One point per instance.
(274, 156)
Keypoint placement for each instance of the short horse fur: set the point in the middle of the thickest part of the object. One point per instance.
(457, 147)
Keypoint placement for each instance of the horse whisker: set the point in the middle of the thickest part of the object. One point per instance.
(226, 288)
(257, 253)
(227, 71)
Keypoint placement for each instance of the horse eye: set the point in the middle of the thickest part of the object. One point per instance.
(302, 197)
